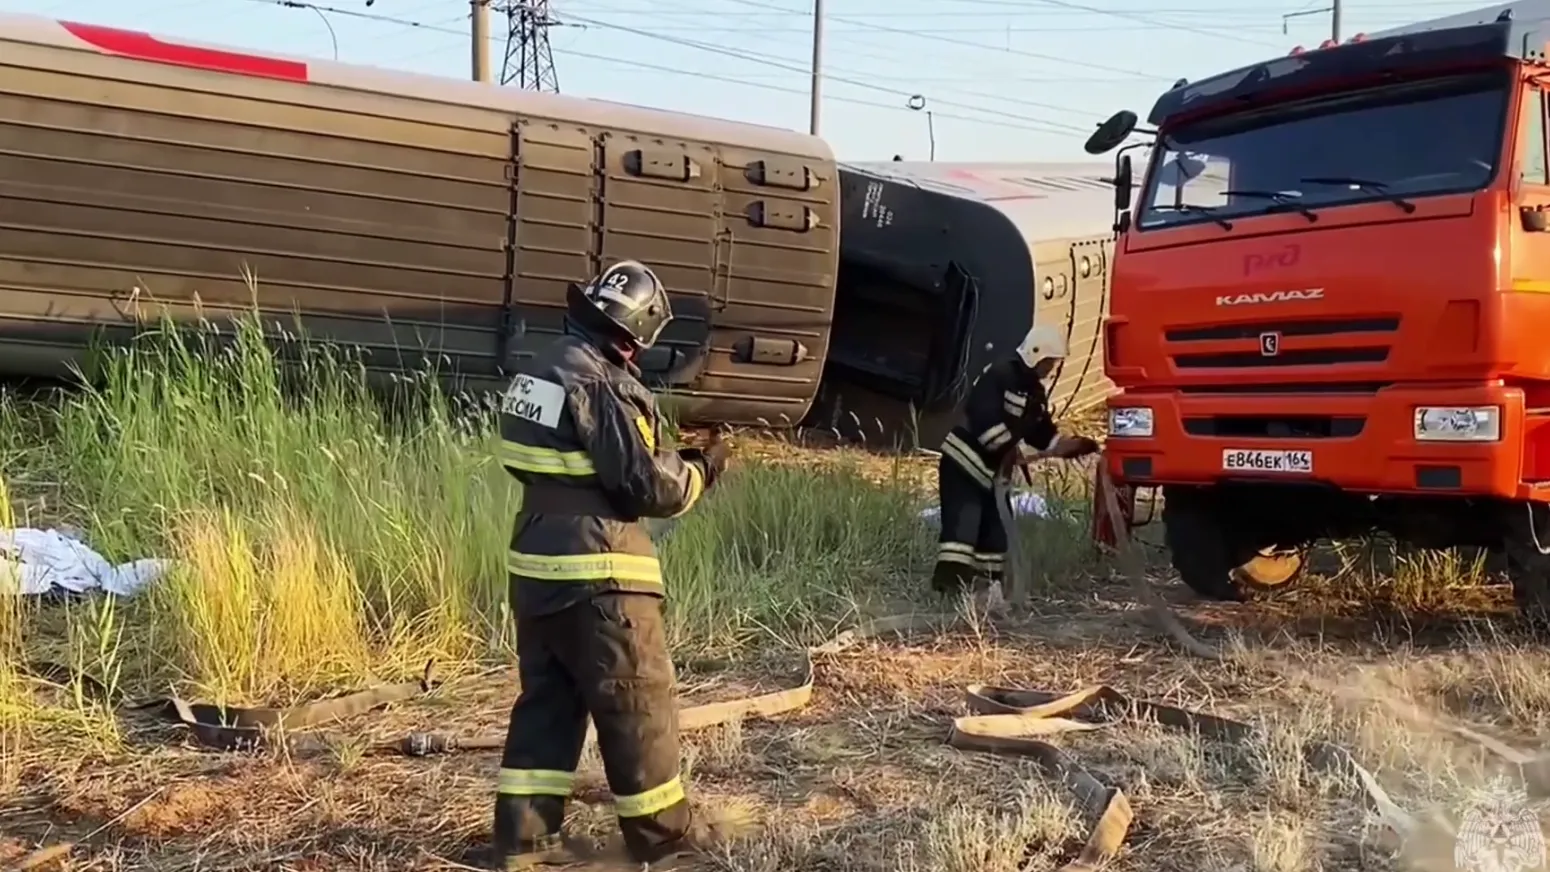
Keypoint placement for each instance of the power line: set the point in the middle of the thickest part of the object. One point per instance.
(1136, 28)
(999, 74)
(1003, 119)
(716, 77)
(780, 63)
(934, 34)
(1016, 9)
(1144, 19)
(945, 39)
(1460, 5)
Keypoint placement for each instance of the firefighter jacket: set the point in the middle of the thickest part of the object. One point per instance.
(1006, 405)
(581, 433)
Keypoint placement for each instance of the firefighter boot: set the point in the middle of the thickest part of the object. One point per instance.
(702, 837)
(951, 579)
(550, 852)
(527, 834)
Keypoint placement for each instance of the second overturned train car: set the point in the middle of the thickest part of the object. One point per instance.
(943, 268)
(434, 221)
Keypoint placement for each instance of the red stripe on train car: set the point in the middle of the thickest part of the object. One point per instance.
(143, 46)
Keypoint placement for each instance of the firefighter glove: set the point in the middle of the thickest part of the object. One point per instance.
(1072, 447)
(717, 455)
(712, 460)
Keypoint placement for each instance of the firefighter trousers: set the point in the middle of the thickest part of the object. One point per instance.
(605, 658)
(973, 541)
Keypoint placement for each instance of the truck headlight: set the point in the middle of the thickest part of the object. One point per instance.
(1458, 424)
(1134, 423)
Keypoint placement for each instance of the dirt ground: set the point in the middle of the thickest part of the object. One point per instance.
(863, 777)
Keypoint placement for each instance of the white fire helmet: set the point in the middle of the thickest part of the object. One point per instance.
(1043, 342)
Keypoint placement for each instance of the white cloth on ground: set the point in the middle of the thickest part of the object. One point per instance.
(1023, 503)
(35, 562)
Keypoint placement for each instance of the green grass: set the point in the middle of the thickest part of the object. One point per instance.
(323, 544)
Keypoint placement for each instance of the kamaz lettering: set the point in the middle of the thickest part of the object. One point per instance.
(1276, 297)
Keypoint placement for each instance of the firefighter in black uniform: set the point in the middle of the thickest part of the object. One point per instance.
(582, 434)
(1007, 410)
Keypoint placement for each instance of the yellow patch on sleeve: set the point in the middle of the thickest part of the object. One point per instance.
(646, 433)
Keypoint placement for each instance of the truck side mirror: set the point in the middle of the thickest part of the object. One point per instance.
(1112, 132)
(1123, 180)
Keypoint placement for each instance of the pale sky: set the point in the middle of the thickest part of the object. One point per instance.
(1005, 80)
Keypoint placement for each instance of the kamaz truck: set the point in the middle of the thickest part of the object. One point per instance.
(1330, 309)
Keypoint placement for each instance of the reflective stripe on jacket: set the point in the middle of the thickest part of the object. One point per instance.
(582, 435)
(1007, 405)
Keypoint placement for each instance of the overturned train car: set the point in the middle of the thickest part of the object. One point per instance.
(943, 269)
(418, 219)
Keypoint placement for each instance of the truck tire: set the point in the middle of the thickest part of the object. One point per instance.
(1528, 569)
(1213, 559)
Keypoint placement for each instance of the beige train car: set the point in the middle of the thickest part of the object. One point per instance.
(944, 267)
(417, 218)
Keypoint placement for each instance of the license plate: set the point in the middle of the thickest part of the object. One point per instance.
(1246, 460)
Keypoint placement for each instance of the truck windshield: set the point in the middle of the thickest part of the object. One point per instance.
(1396, 142)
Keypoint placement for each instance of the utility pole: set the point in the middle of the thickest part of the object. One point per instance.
(480, 34)
(1334, 21)
(815, 108)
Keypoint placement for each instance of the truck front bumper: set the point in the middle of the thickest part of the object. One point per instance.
(1383, 455)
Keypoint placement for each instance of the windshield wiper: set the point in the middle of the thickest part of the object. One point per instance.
(1367, 185)
(1208, 211)
(1281, 199)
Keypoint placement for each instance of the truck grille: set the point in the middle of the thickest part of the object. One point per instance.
(1275, 426)
(1251, 353)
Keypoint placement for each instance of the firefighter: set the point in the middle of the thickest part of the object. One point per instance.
(582, 434)
(1007, 410)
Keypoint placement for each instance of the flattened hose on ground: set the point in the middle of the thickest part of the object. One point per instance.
(1019, 579)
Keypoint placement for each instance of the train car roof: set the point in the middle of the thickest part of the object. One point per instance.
(225, 59)
(1043, 200)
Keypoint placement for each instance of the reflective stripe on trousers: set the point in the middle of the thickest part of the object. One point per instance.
(535, 782)
(990, 563)
(549, 782)
(650, 802)
(956, 552)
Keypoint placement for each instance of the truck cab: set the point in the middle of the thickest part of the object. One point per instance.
(1330, 304)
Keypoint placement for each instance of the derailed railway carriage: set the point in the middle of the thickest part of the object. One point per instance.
(435, 221)
(415, 217)
(944, 267)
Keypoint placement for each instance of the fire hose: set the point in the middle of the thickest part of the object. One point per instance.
(1001, 720)
(1019, 576)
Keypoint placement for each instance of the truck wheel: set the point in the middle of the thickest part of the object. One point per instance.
(1528, 569)
(1213, 559)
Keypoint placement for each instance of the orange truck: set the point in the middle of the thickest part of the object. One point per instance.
(1330, 303)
